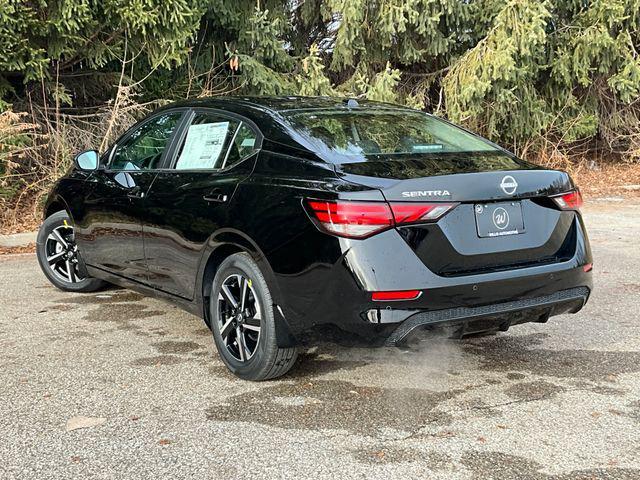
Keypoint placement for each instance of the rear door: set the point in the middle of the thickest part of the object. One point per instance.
(109, 231)
(190, 198)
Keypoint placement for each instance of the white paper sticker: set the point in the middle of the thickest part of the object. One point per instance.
(203, 146)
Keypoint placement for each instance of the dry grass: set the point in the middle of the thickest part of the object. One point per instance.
(598, 179)
(37, 147)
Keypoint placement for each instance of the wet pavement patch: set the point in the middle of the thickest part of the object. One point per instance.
(158, 360)
(335, 404)
(171, 346)
(109, 296)
(485, 465)
(317, 364)
(537, 390)
(634, 410)
(112, 306)
(122, 314)
(510, 353)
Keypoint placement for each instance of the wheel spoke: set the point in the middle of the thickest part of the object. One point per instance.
(226, 328)
(53, 258)
(258, 314)
(59, 238)
(241, 345)
(229, 296)
(248, 326)
(69, 271)
(243, 288)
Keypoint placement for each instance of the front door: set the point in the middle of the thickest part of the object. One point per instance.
(189, 201)
(109, 232)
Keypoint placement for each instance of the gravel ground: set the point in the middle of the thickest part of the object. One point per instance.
(560, 400)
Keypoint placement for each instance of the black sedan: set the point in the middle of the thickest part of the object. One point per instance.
(285, 221)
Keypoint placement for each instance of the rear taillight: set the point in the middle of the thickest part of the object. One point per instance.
(569, 201)
(419, 212)
(352, 219)
(355, 219)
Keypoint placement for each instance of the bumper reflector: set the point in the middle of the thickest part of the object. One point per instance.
(395, 295)
(587, 267)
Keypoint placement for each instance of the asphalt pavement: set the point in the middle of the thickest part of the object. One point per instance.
(116, 385)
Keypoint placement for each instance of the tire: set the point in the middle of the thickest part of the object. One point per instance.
(58, 255)
(261, 358)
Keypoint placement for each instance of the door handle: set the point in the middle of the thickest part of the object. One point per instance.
(215, 197)
(135, 192)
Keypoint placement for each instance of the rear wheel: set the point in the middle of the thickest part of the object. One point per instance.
(59, 258)
(243, 323)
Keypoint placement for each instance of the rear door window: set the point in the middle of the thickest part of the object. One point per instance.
(242, 146)
(206, 143)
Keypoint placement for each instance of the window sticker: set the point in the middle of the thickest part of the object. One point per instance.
(203, 146)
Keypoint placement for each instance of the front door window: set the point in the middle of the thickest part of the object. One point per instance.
(143, 149)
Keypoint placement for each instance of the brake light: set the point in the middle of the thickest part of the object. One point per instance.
(395, 295)
(356, 219)
(569, 201)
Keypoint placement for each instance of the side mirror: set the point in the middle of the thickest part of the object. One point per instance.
(88, 160)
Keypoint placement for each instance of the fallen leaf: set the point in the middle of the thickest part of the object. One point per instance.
(379, 454)
(134, 418)
(75, 423)
(595, 414)
(164, 441)
(482, 440)
(503, 427)
(76, 459)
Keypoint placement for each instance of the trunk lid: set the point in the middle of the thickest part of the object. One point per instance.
(467, 179)
(453, 245)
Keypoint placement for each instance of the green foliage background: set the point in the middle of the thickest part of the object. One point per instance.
(526, 73)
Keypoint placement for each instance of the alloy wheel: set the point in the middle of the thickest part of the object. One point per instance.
(239, 317)
(62, 254)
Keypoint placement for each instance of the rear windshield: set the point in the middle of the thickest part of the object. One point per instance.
(357, 135)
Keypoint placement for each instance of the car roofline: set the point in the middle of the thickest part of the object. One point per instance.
(253, 102)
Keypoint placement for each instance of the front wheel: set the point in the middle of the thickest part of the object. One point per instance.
(59, 258)
(243, 322)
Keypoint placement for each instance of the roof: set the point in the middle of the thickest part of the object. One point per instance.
(281, 103)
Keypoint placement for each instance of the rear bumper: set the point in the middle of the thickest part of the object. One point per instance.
(498, 316)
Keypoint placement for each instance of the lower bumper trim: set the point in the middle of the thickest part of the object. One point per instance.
(544, 307)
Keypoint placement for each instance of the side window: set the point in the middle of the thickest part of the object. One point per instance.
(206, 143)
(143, 149)
(243, 145)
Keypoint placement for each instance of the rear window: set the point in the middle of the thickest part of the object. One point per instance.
(357, 135)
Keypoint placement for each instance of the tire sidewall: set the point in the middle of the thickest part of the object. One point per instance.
(243, 264)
